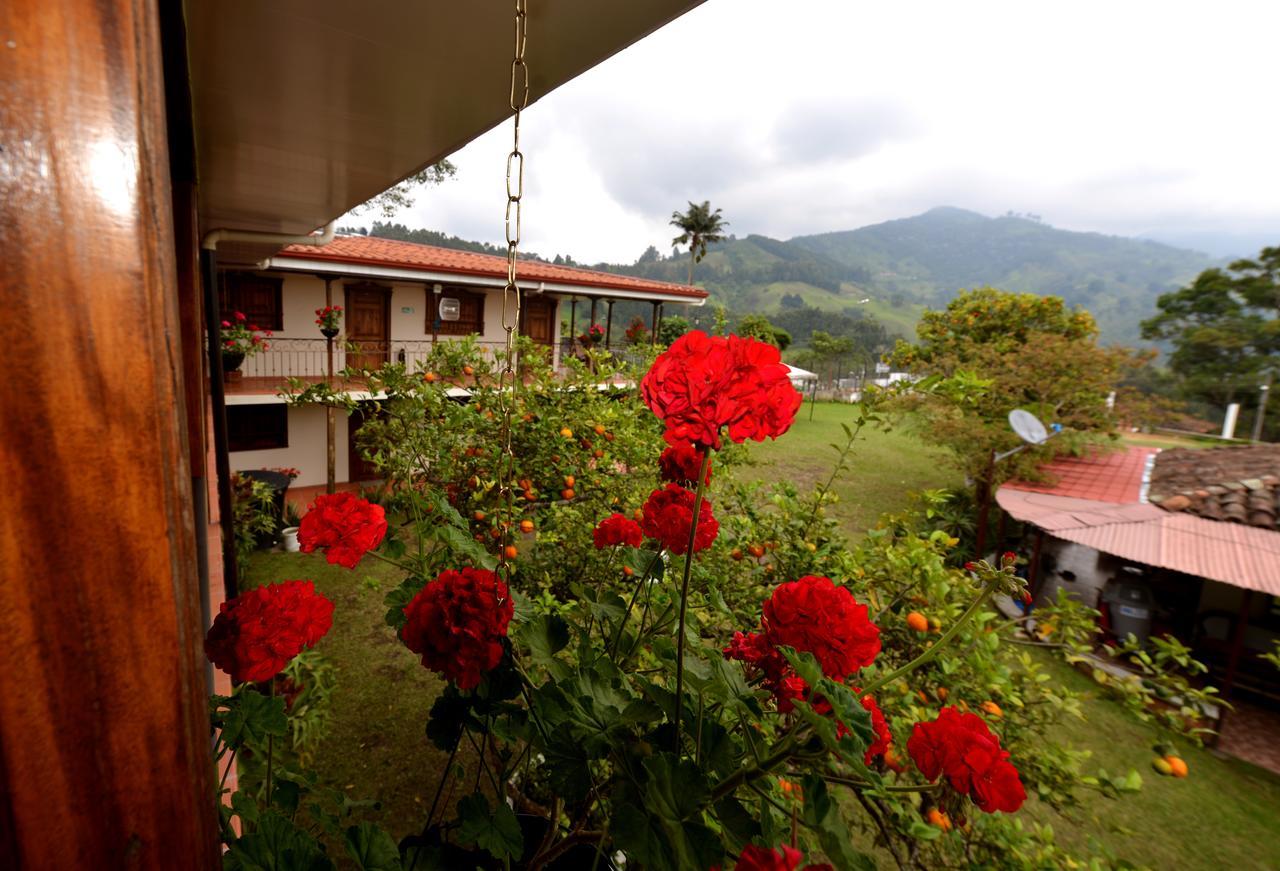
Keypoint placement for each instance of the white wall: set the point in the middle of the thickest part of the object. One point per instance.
(307, 448)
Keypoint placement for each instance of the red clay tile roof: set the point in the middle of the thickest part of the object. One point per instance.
(1115, 477)
(1239, 484)
(372, 251)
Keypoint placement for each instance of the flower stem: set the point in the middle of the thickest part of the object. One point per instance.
(881, 682)
(644, 580)
(271, 746)
(684, 595)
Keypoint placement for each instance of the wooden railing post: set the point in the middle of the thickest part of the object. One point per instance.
(104, 732)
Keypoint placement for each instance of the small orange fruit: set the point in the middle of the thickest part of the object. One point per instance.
(943, 692)
(569, 480)
(510, 551)
(567, 433)
(599, 428)
(598, 453)
(628, 571)
(755, 550)
(526, 526)
(478, 515)
(893, 761)
(429, 377)
(567, 493)
(1177, 765)
(495, 533)
(608, 436)
(938, 819)
(638, 515)
(467, 370)
(917, 622)
(993, 709)
(737, 553)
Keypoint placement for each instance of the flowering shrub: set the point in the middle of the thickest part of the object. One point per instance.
(240, 337)
(588, 622)
(637, 331)
(329, 317)
(593, 335)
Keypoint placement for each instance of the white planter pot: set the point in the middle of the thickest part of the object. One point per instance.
(290, 536)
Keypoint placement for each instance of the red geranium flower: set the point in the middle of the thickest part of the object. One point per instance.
(884, 737)
(343, 525)
(680, 464)
(457, 623)
(815, 616)
(256, 634)
(668, 514)
(961, 746)
(781, 858)
(702, 384)
(617, 529)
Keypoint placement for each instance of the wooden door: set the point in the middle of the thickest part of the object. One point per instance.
(368, 318)
(358, 468)
(538, 319)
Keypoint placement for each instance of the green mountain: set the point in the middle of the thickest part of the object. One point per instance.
(927, 258)
(886, 274)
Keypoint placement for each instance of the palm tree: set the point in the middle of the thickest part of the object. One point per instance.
(699, 227)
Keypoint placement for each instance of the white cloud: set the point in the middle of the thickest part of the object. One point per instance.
(819, 115)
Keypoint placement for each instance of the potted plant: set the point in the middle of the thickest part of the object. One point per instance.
(289, 535)
(240, 340)
(593, 336)
(328, 319)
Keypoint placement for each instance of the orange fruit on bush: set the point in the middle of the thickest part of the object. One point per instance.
(893, 761)
(467, 370)
(638, 515)
(993, 709)
(495, 533)
(569, 480)
(938, 819)
(429, 377)
(565, 432)
(917, 622)
(478, 515)
(598, 453)
(599, 428)
(1177, 765)
(510, 551)
(737, 553)
(628, 571)
(943, 692)
(755, 550)
(567, 493)
(526, 526)
(608, 436)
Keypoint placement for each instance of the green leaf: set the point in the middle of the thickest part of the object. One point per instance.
(662, 845)
(737, 822)
(544, 636)
(922, 831)
(276, 844)
(496, 831)
(822, 815)
(372, 848)
(449, 714)
(399, 598)
(568, 766)
(676, 788)
(251, 717)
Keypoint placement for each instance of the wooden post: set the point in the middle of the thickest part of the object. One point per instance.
(104, 727)
(608, 324)
(330, 413)
(984, 502)
(1033, 570)
(593, 312)
(653, 325)
(1237, 644)
(658, 326)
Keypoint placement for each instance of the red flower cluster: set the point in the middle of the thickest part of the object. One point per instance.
(343, 525)
(617, 529)
(782, 858)
(884, 737)
(703, 383)
(668, 514)
(329, 316)
(680, 464)
(457, 623)
(813, 615)
(256, 634)
(961, 746)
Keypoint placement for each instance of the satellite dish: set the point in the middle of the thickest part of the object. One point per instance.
(1028, 427)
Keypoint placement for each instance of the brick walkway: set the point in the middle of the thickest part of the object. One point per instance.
(1252, 733)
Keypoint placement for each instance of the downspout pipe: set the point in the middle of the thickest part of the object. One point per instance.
(217, 389)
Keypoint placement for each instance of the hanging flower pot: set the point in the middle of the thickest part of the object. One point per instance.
(328, 319)
(231, 361)
(328, 332)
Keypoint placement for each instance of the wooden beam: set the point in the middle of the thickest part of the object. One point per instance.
(1237, 644)
(104, 733)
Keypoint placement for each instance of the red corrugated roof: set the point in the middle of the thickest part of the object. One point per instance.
(372, 251)
(1103, 477)
(1232, 553)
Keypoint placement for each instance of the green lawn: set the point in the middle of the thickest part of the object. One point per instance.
(884, 469)
(1223, 815)
(1168, 440)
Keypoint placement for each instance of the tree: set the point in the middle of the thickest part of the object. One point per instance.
(700, 227)
(672, 328)
(400, 196)
(998, 351)
(758, 327)
(1224, 327)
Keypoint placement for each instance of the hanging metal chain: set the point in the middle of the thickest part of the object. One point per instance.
(508, 380)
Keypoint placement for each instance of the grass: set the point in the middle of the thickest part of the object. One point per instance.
(1166, 441)
(375, 746)
(1223, 815)
(885, 466)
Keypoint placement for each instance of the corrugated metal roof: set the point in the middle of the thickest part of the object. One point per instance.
(1116, 476)
(1243, 556)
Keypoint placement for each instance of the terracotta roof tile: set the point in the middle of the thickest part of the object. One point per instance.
(372, 251)
(1238, 484)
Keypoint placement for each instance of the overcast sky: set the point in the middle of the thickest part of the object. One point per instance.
(805, 116)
